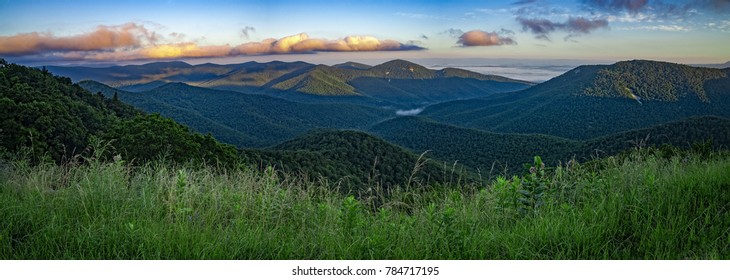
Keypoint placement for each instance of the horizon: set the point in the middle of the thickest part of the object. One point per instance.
(536, 71)
(520, 32)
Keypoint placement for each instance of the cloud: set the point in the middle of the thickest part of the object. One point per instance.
(481, 38)
(543, 27)
(102, 38)
(134, 42)
(661, 27)
(453, 32)
(657, 10)
(506, 31)
(583, 25)
(411, 112)
(538, 26)
(246, 31)
(424, 37)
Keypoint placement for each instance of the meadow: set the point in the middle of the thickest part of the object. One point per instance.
(640, 205)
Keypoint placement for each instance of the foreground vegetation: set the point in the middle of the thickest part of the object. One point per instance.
(644, 205)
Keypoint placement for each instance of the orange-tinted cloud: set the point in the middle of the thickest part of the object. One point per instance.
(102, 38)
(481, 38)
(134, 42)
(301, 43)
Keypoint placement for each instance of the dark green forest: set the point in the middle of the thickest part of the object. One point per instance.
(47, 116)
(51, 118)
(583, 104)
(500, 153)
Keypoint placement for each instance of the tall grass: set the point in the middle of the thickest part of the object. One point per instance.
(638, 207)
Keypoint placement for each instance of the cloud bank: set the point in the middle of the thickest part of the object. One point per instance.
(578, 25)
(102, 38)
(481, 38)
(133, 41)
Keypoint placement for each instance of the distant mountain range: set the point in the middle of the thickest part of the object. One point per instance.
(394, 83)
(719, 66)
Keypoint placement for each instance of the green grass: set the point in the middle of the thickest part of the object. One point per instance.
(636, 207)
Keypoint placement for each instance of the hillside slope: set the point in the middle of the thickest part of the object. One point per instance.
(497, 152)
(51, 118)
(355, 160)
(245, 120)
(593, 101)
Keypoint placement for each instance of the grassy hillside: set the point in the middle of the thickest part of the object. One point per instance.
(583, 103)
(637, 207)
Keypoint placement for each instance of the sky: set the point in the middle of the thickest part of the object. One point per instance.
(131, 32)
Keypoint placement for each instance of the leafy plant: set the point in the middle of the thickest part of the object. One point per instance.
(533, 188)
(350, 215)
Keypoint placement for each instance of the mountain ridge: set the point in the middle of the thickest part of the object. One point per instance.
(286, 79)
(583, 104)
(483, 150)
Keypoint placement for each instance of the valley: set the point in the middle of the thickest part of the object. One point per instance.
(588, 112)
(295, 145)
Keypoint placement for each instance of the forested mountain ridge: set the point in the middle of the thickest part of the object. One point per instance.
(352, 159)
(477, 149)
(498, 152)
(399, 82)
(244, 120)
(50, 117)
(651, 80)
(583, 104)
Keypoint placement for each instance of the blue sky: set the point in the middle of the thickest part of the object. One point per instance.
(694, 31)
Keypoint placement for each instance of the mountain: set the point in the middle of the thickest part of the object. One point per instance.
(396, 83)
(683, 134)
(593, 101)
(249, 74)
(244, 120)
(350, 159)
(719, 66)
(352, 65)
(493, 153)
(48, 117)
(480, 150)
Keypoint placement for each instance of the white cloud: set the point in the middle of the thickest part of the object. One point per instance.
(411, 112)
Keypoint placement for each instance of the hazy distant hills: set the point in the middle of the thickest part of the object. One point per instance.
(719, 66)
(396, 83)
(245, 120)
(592, 101)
